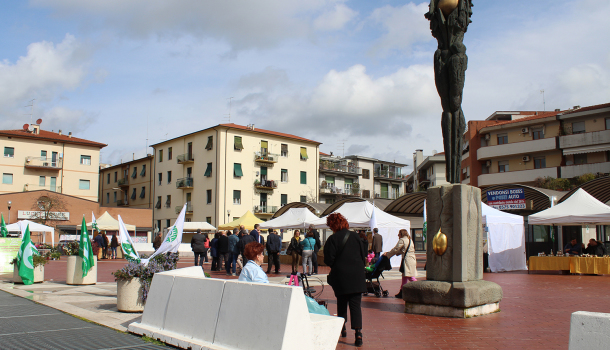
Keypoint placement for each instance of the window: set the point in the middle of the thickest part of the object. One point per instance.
(168, 201)
(115, 176)
(208, 170)
(303, 199)
(169, 177)
(160, 178)
(348, 183)
(159, 224)
(84, 184)
(284, 199)
(107, 197)
(237, 143)
(330, 181)
(160, 155)
(85, 160)
(366, 194)
(237, 170)
(539, 162)
(503, 166)
(285, 147)
(236, 197)
(537, 133)
(167, 223)
(264, 147)
(580, 158)
(208, 196)
(169, 153)
(43, 154)
(114, 197)
(133, 194)
(303, 178)
(143, 193)
(42, 181)
(7, 179)
(108, 178)
(284, 176)
(158, 205)
(578, 127)
(208, 219)
(384, 190)
(9, 152)
(304, 153)
(366, 174)
(135, 172)
(210, 143)
(502, 139)
(607, 123)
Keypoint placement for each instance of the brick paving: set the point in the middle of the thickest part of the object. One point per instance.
(535, 312)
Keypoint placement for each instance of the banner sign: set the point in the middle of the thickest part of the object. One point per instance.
(506, 199)
(9, 247)
(54, 215)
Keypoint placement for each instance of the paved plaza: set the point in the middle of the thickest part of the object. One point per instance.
(535, 312)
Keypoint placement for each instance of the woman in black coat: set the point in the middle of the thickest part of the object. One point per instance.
(346, 277)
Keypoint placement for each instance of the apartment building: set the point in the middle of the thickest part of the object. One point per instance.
(427, 171)
(127, 184)
(389, 179)
(225, 170)
(340, 178)
(36, 159)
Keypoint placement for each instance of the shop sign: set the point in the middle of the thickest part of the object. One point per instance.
(506, 199)
(32, 214)
(9, 248)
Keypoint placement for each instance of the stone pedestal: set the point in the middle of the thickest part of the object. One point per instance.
(454, 287)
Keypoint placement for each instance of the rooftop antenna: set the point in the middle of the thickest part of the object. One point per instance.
(341, 146)
(31, 105)
(543, 101)
(228, 116)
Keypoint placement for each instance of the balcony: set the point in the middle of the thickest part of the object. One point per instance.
(387, 195)
(185, 158)
(332, 167)
(189, 208)
(387, 174)
(124, 182)
(580, 169)
(266, 184)
(596, 141)
(516, 148)
(265, 209)
(522, 176)
(42, 163)
(330, 189)
(36, 187)
(185, 183)
(266, 158)
(122, 202)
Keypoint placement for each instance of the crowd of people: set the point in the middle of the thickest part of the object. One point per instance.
(594, 247)
(107, 246)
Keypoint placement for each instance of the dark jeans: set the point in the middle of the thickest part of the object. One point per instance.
(205, 254)
(231, 264)
(377, 255)
(199, 255)
(223, 258)
(215, 263)
(355, 310)
(314, 260)
(273, 259)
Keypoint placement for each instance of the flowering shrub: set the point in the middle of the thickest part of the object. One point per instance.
(44, 246)
(160, 263)
(71, 248)
(38, 260)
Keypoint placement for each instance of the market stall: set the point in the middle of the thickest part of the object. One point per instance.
(292, 218)
(20, 227)
(506, 240)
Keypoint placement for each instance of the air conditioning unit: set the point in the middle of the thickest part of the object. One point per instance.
(487, 137)
(526, 158)
(488, 163)
(61, 155)
(525, 130)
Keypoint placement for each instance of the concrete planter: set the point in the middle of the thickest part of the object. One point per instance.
(129, 295)
(38, 274)
(74, 272)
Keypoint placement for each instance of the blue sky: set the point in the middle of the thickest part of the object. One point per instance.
(330, 70)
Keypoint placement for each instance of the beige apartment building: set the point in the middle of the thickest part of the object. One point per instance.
(427, 171)
(35, 159)
(128, 184)
(224, 171)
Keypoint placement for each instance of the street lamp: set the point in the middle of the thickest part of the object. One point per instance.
(228, 215)
(9, 204)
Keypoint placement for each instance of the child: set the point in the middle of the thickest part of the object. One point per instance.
(370, 256)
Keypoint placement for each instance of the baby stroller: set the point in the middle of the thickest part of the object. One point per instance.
(382, 264)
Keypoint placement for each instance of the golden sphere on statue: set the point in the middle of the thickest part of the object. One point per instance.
(447, 6)
(439, 243)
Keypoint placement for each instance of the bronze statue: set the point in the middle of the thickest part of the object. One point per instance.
(449, 21)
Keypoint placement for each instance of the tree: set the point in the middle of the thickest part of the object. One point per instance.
(48, 209)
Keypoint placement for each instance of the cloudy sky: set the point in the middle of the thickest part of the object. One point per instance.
(355, 75)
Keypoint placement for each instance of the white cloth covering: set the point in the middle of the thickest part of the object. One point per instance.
(201, 225)
(580, 209)
(506, 240)
(292, 218)
(34, 227)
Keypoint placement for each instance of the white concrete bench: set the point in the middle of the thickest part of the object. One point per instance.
(189, 311)
(589, 330)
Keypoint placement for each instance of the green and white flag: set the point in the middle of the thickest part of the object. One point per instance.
(25, 258)
(84, 249)
(425, 229)
(94, 224)
(3, 229)
(129, 250)
(172, 241)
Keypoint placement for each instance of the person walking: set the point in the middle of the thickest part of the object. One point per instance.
(214, 248)
(256, 233)
(99, 240)
(377, 243)
(307, 246)
(409, 263)
(114, 243)
(206, 247)
(345, 253)
(106, 246)
(295, 248)
(157, 242)
(198, 247)
(233, 252)
(223, 251)
(314, 256)
(274, 246)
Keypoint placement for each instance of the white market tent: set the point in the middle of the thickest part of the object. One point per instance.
(506, 240)
(358, 214)
(34, 227)
(580, 209)
(291, 219)
(107, 223)
(194, 226)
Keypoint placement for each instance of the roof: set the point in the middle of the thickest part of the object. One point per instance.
(586, 109)
(324, 154)
(51, 136)
(245, 128)
(521, 120)
(150, 156)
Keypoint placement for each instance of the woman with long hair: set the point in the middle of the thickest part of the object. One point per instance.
(296, 247)
(308, 246)
(409, 263)
(345, 253)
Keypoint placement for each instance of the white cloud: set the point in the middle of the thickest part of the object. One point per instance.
(65, 119)
(334, 19)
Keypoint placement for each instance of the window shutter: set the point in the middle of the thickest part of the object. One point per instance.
(135, 173)
(303, 177)
(133, 194)
(143, 172)
(237, 170)
(208, 170)
(210, 143)
(303, 153)
(330, 180)
(264, 144)
(238, 144)
(236, 194)
(349, 181)
(263, 170)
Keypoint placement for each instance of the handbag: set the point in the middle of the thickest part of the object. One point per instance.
(402, 263)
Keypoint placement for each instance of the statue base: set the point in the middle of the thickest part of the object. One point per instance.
(452, 299)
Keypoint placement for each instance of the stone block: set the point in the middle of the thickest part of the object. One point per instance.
(326, 331)
(448, 311)
(453, 294)
(589, 330)
(156, 302)
(74, 271)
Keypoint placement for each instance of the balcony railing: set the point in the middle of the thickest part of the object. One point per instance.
(185, 182)
(185, 158)
(189, 208)
(346, 191)
(42, 163)
(124, 182)
(265, 157)
(343, 168)
(387, 174)
(122, 202)
(36, 187)
(387, 195)
(266, 184)
(265, 209)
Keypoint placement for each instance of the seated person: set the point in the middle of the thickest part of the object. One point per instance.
(253, 271)
(595, 248)
(573, 248)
